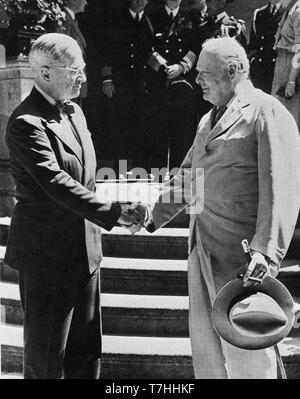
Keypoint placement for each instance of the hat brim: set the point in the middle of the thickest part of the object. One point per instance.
(235, 289)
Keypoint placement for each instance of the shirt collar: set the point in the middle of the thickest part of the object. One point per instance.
(70, 12)
(174, 11)
(45, 95)
(134, 14)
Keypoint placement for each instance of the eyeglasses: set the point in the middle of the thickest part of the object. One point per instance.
(76, 70)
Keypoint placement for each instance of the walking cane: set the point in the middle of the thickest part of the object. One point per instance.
(247, 253)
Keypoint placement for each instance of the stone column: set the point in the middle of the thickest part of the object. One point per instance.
(16, 82)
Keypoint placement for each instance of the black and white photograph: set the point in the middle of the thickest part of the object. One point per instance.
(150, 192)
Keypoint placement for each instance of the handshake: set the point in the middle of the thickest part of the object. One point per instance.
(134, 216)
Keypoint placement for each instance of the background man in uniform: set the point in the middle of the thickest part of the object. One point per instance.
(54, 238)
(127, 48)
(241, 179)
(219, 23)
(262, 53)
(174, 120)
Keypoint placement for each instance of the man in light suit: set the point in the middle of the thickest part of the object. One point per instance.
(71, 28)
(241, 179)
(55, 238)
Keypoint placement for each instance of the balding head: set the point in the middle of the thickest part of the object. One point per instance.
(57, 65)
(52, 48)
(222, 64)
(228, 51)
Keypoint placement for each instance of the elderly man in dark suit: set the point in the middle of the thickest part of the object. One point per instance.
(55, 239)
(71, 28)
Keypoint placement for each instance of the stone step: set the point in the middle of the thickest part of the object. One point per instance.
(166, 243)
(128, 315)
(153, 276)
(140, 357)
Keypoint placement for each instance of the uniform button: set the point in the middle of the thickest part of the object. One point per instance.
(167, 41)
(131, 55)
(260, 60)
(274, 59)
(131, 44)
(261, 48)
(145, 66)
(131, 66)
(262, 37)
(180, 50)
(167, 50)
(179, 39)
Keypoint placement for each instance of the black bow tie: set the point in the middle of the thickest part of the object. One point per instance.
(66, 107)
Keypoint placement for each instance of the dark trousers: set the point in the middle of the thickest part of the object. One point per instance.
(62, 327)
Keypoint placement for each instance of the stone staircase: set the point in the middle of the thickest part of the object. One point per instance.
(144, 307)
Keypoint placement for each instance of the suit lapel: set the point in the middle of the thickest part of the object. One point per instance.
(53, 121)
(63, 131)
(232, 114)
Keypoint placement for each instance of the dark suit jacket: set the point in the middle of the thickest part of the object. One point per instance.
(57, 215)
(71, 28)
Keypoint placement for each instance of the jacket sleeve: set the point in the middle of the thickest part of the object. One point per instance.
(175, 195)
(30, 147)
(279, 181)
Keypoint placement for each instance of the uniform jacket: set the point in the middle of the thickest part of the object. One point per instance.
(57, 215)
(224, 25)
(243, 179)
(262, 38)
(128, 46)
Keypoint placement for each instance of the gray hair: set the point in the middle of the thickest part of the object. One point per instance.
(52, 47)
(229, 50)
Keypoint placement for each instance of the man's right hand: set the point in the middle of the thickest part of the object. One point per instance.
(108, 89)
(133, 216)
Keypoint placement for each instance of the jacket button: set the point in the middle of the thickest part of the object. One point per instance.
(167, 50)
(261, 48)
(262, 37)
(274, 59)
(131, 66)
(260, 60)
(167, 41)
(131, 55)
(179, 39)
(180, 50)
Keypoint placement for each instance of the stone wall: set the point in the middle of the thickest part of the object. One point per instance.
(15, 84)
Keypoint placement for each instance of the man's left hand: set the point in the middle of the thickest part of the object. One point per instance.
(258, 268)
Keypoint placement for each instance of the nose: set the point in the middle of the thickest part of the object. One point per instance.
(81, 75)
(199, 78)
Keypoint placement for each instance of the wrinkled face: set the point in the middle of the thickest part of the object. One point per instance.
(138, 5)
(214, 79)
(66, 76)
(214, 7)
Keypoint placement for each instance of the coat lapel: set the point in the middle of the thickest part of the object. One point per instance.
(232, 114)
(53, 121)
(64, 132)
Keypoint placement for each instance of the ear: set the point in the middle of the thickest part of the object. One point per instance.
(233, 70)
(45, 73)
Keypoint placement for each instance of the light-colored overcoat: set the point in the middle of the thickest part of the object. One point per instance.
(242, 181)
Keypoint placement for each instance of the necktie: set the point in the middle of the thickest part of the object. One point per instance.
(137, 18)
(171, 16)
(217, 115)
(68, 109)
